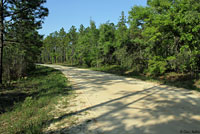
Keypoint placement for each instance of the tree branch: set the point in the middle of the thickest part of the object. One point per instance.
(15, 13)
(12, 41)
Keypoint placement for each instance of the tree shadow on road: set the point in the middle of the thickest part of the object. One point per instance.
(149, 111)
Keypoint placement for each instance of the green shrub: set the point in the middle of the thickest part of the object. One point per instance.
(43, 88)
(157, 66)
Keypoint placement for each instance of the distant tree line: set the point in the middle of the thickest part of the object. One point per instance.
(161, 37)
(19, 40)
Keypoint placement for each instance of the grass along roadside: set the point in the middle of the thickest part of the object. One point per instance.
(26, 105)
(187, 81)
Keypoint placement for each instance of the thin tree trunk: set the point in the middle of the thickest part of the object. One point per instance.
(1, 40)
(72, 62)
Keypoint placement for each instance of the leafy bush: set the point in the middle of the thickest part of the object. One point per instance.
(157, 66)
(185, 61)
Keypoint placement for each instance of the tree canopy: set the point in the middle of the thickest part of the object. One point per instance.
(19, 39)
(161, 37)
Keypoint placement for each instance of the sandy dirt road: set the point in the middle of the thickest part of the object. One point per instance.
(110, 104)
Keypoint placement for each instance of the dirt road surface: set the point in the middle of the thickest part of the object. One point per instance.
(110, 104)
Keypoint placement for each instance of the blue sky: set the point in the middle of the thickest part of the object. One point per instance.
(65, 13)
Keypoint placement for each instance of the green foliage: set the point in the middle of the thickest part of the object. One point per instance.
(21, 39)
(28, 102)
(35, 97)
(157, 66)
(162, 37)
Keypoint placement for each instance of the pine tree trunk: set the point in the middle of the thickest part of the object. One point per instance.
(1, 40)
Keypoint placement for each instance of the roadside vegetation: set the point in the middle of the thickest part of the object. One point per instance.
(160, 41)
(20, 41)
(27, 104)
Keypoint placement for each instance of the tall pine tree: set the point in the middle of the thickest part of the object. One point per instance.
(19, 20)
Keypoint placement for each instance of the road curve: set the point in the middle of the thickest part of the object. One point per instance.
(120, 105)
